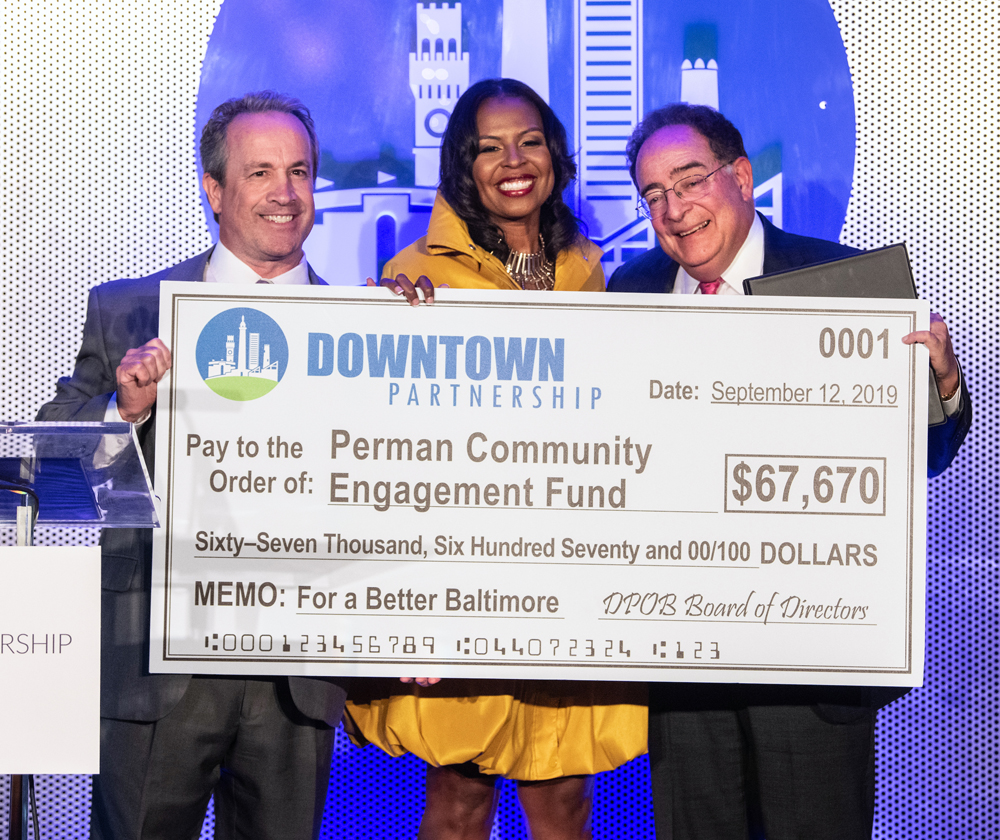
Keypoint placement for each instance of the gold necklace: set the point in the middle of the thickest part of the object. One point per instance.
(532, 271)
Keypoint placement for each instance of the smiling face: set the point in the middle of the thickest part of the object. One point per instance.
(703, 235)
(513, 170)
(266, 207)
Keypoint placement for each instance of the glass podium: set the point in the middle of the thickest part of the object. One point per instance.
(68, 474)
(80, 474)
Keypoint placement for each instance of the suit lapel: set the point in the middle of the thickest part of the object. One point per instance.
(775, 251)
(783, 251)
(192, 270)
(670, 278)
(663, 267)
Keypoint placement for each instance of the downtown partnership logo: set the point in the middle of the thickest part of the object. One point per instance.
(241, 354)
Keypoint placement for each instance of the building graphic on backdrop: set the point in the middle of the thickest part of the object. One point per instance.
(439, 74)
(359, 228)
(608, 108)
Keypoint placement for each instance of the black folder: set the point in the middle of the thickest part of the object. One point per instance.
(882, 273)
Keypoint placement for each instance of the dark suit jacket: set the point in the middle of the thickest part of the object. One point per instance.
(655, 272)
(121, 315)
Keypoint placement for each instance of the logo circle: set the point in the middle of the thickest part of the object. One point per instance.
(241, 354)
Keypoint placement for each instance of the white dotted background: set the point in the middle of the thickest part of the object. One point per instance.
(100, 181)
(927, 173)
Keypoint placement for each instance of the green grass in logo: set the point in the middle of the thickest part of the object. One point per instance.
(240, 388)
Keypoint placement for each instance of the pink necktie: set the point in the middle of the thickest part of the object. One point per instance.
(709, 287)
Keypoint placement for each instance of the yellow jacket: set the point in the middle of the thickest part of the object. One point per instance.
(578, 269)
(520, 729)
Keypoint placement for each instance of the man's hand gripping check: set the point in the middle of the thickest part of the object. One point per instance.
(943, 361)
(137, 376)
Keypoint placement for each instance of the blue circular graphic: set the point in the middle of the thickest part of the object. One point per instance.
(778, 69)
(241, 354)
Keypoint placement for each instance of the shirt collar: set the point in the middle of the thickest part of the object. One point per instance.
(225, 267)
(749, 262)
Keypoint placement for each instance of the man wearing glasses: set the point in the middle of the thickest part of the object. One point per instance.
(752, 761)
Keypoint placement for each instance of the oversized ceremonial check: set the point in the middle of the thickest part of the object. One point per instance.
(585, 486)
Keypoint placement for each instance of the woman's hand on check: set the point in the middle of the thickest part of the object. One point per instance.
(420, 290)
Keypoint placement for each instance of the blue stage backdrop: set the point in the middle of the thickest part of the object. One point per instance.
(871, 123)
(381, 79)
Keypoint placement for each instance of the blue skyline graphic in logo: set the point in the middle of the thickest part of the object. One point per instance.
(241, 354)
(382, 77)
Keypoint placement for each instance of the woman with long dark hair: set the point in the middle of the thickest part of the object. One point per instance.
(500, 222)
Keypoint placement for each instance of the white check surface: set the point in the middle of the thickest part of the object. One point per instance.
(573, 486)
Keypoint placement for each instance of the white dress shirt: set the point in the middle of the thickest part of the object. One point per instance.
(225, 267)
(749, 262)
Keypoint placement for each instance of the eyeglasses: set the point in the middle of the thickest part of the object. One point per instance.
(654, 203)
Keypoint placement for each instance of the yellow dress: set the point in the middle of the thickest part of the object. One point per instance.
(519, 729)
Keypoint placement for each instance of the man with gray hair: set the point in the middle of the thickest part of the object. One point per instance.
(730, 762)
(263, 746)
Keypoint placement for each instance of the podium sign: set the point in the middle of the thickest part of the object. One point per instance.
(50, 662)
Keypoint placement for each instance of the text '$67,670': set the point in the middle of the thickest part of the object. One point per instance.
(805, 484)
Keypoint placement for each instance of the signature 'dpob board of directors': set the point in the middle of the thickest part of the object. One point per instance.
(525, 485)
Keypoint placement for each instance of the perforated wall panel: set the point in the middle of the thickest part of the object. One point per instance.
(928, 108)
(100, 182)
